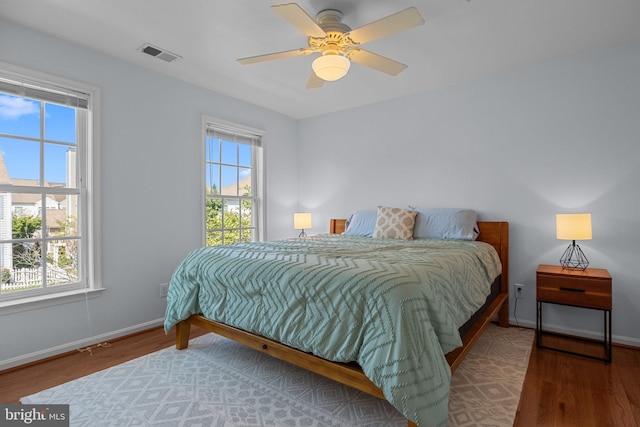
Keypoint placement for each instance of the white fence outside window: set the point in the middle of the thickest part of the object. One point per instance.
(31, 278)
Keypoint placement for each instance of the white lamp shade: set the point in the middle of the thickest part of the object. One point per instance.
(573, 226)
(302, 221)
(331, 67)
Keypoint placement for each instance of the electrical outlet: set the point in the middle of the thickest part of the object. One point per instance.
(519, 290)
(164, 289)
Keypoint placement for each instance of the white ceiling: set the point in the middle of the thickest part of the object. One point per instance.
(460, 40)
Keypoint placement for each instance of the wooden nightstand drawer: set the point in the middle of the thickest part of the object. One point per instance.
(573, 297)
(590, 288)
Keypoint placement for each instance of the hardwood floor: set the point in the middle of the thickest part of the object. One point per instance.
(559, 390)
(567, 390)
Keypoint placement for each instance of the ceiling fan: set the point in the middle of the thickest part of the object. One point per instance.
(337, 44)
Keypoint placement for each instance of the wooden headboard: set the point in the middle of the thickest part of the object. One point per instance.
(337, 226)
(496, 233)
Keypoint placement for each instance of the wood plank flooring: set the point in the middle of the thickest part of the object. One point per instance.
(559, 390)
(567, 390)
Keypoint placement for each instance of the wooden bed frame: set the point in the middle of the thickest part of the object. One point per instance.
(494, 233)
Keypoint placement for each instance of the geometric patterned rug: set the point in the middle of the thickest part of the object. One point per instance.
(217, 382)
(485, 389)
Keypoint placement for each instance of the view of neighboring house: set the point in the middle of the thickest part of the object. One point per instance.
(241, 187)
(31, 204)
(28, 205)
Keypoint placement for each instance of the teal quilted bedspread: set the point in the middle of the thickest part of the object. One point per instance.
(392, 306)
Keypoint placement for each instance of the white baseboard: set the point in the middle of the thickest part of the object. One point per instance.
(54, 351)
(617, 339)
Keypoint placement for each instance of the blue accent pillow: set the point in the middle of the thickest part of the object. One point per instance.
(446, 223)
(361, 223)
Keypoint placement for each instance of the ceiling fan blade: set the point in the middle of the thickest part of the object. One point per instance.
(399, 21)
(377, 62)
(314, 81)
(276, 55)
(299, 19)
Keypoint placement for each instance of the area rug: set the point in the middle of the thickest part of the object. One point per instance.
(217, 382)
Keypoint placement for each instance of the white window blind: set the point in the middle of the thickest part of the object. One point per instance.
(42, 92)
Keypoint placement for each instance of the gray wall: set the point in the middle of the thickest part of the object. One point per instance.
(151, 160)
(559, 137)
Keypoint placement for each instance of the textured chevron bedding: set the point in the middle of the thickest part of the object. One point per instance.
(392, 306)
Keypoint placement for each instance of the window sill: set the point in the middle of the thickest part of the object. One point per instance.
(42, 301)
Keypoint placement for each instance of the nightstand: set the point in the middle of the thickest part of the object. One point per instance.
(590, 288)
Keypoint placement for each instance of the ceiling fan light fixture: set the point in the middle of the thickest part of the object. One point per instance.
(331, 67)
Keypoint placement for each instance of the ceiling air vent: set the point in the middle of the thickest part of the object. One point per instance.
(155, 51)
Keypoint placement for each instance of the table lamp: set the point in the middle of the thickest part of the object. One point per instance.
(573, 227)
(302, 221)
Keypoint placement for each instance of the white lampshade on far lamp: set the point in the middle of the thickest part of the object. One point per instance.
(573, 227)
(331, 67)
(301, 221)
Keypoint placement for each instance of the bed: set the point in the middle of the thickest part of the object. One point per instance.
(414, 401)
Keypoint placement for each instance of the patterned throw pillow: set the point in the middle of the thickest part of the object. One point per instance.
(394, 223)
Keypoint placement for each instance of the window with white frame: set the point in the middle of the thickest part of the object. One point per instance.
(233, 183)
(48, 232)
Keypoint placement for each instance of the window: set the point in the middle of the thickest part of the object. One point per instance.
(233, 183)
(47, 229)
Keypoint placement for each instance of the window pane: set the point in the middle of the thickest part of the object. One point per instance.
(245, 182)
(213, 214)
(61, 215)
(6, 267)
(26, 219)
(22, 160)
(213, 150)
(246, 213)
(19, 116)
(246, 235)
(213, 178)
(20, 276)
(60, 165)
(62, 262)
(231, 214)
(231, 236)
(229, 181)
(59, 123)
(27, 257)
(72, 214)
(245, 158)
(229, 152)
(214, 238)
